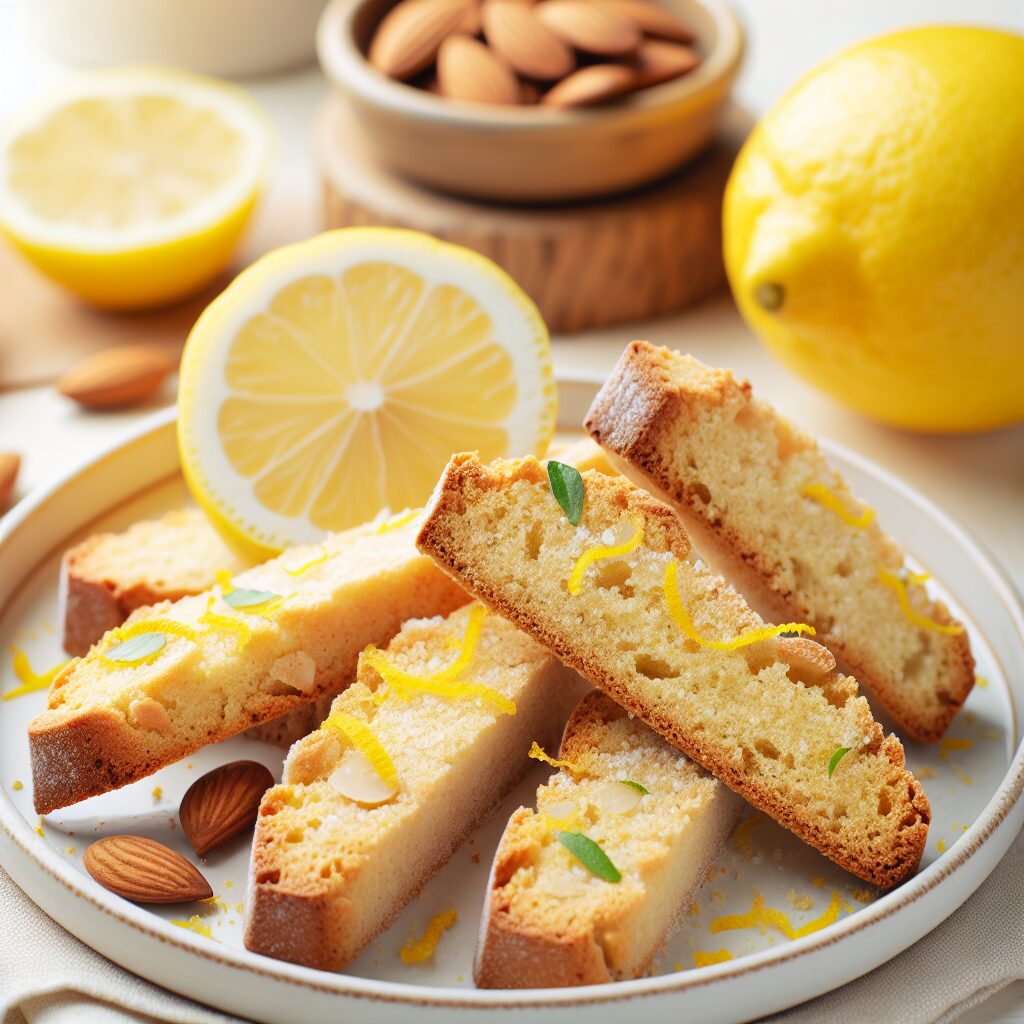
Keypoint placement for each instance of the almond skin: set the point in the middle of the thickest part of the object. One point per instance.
(407, 40)
(144, 871)
(516, 33)
(590, 85)
(652, 20)
(590, 26)
(117, 376)
(468, 71)
(223, 804)
(10, 463)
(657, 61)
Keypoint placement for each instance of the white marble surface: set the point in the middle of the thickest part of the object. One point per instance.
(978, 479)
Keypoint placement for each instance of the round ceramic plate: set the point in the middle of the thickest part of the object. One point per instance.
(836, 927)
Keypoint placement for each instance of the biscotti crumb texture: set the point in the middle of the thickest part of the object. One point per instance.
(452, 705)
(763, 504)
(766, 718)
(548, 921)
(217, 669)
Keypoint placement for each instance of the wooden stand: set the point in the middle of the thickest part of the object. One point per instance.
(590, 264)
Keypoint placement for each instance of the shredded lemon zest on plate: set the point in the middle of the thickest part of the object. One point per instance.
(830, 500)
(31, 682)
(537, 753)
(398, 521)
(121, 634)
(310, 565)
(760, 916)
(416, 951)
(242, 633)
(194, 924)
(359, 734)
(719, 956)
(896, 583)
(595, 554)
(685, 623)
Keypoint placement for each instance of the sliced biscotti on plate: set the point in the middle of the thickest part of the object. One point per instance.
(764, 506)
(617, 598)
(179, 675)
(658, 823)
(109, 575)
(413, 756)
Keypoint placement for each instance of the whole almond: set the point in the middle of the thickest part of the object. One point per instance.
(590, 25)
(407, 40)
(516, 33)
(657, 61)
(117, 376)
(471, 23)
(652, 20)
(144, 871)
(223, 804)
(590, 85)
(468, 71)
(9, 466)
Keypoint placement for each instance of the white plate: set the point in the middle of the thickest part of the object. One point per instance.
(973, 791)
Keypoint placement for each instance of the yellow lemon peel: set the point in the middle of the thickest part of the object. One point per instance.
(241, 632)
(537, 753)
(31, 682)
(760, 916)
(685, 623)
(398, 521)
(827, 498)
(416, 951)
(896, 583)
(719, 956)
(596, 554)
(310, 565)
(359, 735)
(124, 633)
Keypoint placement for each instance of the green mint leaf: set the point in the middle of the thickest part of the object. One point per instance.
(137, 648)
(634, 785)
(567, 487)
(248, 598)
(590, 855)
(840, 753)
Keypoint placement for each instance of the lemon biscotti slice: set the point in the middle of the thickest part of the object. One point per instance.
(180, 675)
(616, 598)
(553, 917)
(764, 506)
(411, 759)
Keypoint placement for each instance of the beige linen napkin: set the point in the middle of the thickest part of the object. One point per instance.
(49, 977)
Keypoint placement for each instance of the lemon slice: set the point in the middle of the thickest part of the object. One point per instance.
(131, 187)
(335, 377)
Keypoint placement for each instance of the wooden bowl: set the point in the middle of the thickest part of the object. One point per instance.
(533, 154)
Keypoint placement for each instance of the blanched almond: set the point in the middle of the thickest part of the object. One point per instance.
(651, 19)
(615, 797)
(590, 26)
(297, 670)
(809, 660)
(516, 33)
(148, 713)
(468, 71)
(657, 61)
(589, 85)
(356, 779)
(407, 40)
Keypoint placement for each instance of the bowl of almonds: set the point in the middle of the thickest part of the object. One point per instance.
(533, 100)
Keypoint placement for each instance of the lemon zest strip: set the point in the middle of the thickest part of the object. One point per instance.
(537, 753)
(595, 554)
(122, 633)
(894, 582)
(830, 500)
(31, 682)
(685, 623)
(416, 951)
(359, 734)
(760, 916)
(303, 569)
(398, 521)
(242, 633)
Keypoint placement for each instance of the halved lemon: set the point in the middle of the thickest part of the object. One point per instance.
(335, 377)
(131, 187)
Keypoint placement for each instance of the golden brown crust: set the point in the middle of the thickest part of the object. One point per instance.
(636, 415)
(465, 473)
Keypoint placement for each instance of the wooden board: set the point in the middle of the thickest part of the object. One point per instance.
(590, 264)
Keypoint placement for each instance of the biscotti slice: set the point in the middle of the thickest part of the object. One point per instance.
(548, 920)
(414, 755)
(107, 576)
(764, 507)
(180, 675)
(616, 598)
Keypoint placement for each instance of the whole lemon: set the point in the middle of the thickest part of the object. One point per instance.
(874, 228)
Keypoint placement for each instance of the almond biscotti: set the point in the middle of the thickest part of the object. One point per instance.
(413, 756)
(179, 675)
(617, 598)
(764, 506)
(549, 919)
